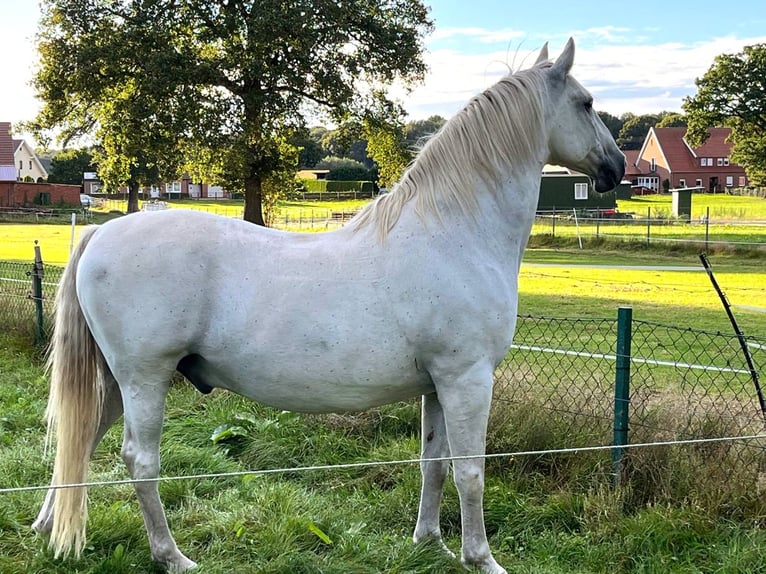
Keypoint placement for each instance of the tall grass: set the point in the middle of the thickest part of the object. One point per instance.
(544, 514)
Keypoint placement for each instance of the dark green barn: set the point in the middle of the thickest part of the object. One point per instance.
(563, 190)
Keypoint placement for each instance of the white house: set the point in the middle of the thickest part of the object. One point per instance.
(27, 163)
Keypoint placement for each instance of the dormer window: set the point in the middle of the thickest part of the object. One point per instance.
(726, 161)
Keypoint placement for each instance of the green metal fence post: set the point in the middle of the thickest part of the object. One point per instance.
(621, 391)
(37, 295)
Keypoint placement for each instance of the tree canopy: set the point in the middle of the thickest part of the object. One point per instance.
(732, 93)
(219, 88)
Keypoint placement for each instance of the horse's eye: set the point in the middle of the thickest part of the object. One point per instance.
(589, 106)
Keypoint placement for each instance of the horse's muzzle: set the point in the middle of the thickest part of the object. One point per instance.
(610, 175)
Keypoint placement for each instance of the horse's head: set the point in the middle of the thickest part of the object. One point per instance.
(577, 138)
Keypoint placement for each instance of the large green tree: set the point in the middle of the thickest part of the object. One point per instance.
(612, 123)
(231, 80)
(732, 93)
(105, 74)
(68, 166)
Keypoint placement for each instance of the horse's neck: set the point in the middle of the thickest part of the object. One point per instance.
(505, 214)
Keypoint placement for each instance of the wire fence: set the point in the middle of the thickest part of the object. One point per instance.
(659, 228)
(556, 390)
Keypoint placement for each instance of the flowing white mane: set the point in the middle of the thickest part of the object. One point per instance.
(495, 129)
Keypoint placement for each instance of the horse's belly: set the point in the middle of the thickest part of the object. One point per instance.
(321, 387)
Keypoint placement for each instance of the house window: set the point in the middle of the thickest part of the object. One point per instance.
(581, 190)
(726, 161)
(653, 165)
(729, 181)
(742, 181)
(698, 183)
(681, 183)
(173, 187)
(719, 161)
(703, 162)
(21, 164)
(30, 165)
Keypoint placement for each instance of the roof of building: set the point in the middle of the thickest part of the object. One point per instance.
(7, 162)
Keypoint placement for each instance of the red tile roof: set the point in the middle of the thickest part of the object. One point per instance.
(6, 144)
(7, 161)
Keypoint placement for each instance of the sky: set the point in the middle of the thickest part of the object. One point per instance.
(641, 58)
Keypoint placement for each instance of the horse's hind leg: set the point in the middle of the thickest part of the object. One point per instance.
(144, 411)
(110, 413)
(434, 445)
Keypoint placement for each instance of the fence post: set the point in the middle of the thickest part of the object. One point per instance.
(37, 295)
(648, 225)
(553, 222)
(621, 391)
(707, 227)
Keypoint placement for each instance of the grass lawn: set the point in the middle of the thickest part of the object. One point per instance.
(544, 515)
(540, 519)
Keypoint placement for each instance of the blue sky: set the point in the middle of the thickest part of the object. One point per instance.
(642, 57)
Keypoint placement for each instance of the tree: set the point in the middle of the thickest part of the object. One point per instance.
(68, 166)
(732, 93)
(612, 123)
(634, 130)
(671, 120)
(310, 150)
(387, 146)
(348, 141)
(237, 77)
(417, 132)
(105, 73)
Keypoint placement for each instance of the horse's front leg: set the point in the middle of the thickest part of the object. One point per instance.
(434, 445)
(465, 396)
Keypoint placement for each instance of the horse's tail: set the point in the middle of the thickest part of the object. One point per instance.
(76, 367)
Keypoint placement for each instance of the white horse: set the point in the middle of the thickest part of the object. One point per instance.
(415, 296)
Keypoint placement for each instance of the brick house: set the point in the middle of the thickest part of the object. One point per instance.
(16, 193)
(665, 156)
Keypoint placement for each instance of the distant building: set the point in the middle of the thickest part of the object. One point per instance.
(666, 161)
(27, 163)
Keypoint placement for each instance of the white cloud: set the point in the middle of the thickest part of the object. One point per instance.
(628, 77)
(477, 34)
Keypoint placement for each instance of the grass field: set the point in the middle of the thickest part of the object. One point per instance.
(546, 516)
(541, 518)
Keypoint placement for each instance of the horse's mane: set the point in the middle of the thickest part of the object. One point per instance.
(495, 129)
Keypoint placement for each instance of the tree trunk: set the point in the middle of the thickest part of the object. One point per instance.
(132, 196)
(254, 200)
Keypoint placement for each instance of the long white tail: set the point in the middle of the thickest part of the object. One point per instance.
(76, 368)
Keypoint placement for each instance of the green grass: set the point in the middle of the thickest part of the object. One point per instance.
(541, 518)
(720, 206)
(544, 515)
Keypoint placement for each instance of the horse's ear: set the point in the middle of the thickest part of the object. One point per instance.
(542, 57)
(564, 62)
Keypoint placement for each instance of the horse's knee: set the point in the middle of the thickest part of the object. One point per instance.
(469, 479)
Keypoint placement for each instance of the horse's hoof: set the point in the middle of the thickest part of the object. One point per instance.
(488, 566)
(180, 564)
(42, 525)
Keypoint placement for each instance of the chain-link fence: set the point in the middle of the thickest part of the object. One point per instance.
(18, 301)
(556, 389)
